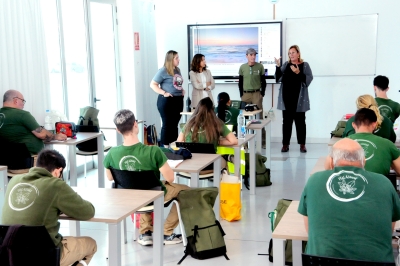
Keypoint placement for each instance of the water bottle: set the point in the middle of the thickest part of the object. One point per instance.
(47, 121)
(271, 115)
(241, 126)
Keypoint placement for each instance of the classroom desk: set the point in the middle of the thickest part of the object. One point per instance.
(71, 143)
(197, 163)
(252, 160)
(3, 186)
(291, 227)
(252, 113)
(265, 123)
(113, 206)
(319, 166)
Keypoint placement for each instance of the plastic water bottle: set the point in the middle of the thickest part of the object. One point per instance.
(47, 121)
(271, 115)
(241, 126)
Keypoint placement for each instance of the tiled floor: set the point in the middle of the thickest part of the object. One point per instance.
(246, 238)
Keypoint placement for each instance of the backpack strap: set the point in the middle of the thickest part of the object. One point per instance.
(220, 227)
(184, 256)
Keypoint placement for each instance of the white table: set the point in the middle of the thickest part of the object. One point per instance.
(245, 113)
(112, 207)
(265, 123)
(197, 163)
(3, 186)
(71, 143)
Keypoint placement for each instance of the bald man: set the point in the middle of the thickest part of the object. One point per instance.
(349, 212)
(17, 125)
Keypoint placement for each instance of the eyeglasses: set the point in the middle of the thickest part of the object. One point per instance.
(23, 101)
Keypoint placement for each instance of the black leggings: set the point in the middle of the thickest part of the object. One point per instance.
(300, 122)
(170, 109)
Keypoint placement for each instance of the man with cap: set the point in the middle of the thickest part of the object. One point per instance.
(252, 80)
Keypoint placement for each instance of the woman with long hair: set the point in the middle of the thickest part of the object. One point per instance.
(295, 76)
(201, 79)
(205, 127)
(168, 83)
(225, 112)
(384, 126)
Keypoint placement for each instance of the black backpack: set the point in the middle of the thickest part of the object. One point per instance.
(88, 122)
(204, 233)
(151, 135)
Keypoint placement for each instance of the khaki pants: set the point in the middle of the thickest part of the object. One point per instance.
(172, 219)
(76, 249)
(254, 98)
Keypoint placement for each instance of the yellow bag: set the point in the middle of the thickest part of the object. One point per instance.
(230, 200)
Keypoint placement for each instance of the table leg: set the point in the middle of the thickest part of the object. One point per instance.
(258, 140)
(100, 158)
(268, 144)
(72, 166)
(217, 173)
(194, 179)
(252, 167)
(114, 244)
(158, 232)
(3, 188)
(236, 161)
(74, 228)
(296, 252)
(278, 246)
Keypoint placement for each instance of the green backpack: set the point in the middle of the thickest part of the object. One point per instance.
(204, 233)
(88, 117)
(263, 174)
(339, 130)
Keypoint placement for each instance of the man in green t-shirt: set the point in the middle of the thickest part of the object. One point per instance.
(17, 125)
(252, 80)
(349, 212)
(134, 156)
(380, 154)
(387, 107)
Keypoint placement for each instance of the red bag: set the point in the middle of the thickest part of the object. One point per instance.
(137, 216)
(347, 116)
(67, 128)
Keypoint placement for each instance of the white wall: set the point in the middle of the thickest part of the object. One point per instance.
(331, 97)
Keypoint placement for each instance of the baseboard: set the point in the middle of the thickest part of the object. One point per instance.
(308, 140)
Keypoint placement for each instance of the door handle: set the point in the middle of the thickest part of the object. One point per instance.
(96, 100)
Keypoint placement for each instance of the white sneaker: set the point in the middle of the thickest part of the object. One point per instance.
(146, 239)
(172, 239)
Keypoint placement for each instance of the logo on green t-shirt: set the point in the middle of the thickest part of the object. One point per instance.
(385, 110)
(2, 118)
(368, 147)
(228, 116)
(129, 163)
(22, 196)
(346, 186)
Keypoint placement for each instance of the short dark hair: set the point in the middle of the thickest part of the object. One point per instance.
(364, 116)
(381, 82)
(50, 160)
(124, 120)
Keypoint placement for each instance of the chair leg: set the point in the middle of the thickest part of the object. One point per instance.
(134, 227)
(182, 227)
(84, 167)
(125, 232)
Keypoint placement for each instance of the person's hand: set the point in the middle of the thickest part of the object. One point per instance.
(278, 61)
(295, 69)
(167, 94)
(60, 136)
(208, 84)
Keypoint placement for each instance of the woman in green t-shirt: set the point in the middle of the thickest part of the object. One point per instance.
(225, 112)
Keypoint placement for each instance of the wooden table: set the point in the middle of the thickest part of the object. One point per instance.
(113, 206)
(71, 143)
(197, 163)
(265, 123)
(290, 227)
(252, 160)
(3, 186)
(319, 166)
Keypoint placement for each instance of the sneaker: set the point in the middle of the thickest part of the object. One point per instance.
(172, 239)
(146, 239)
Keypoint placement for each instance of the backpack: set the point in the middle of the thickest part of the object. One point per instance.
(88, 122)
(275, 217)
(151, 137)
(339, 130)
(263, 174)
(204, 233)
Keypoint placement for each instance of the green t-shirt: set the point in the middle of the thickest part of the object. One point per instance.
(350, 213)
(231, 115)
(379, 152)
(252, 82)
(385, 131)
(388, 108)
(202, 136)
(137, 157)
(17, 125)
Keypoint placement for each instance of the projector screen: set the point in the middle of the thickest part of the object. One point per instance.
(224, 46)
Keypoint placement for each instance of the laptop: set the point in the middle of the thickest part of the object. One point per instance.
(197, 147)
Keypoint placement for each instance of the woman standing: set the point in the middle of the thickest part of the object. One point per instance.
(295, 76)
(168, 84)
(202, 80)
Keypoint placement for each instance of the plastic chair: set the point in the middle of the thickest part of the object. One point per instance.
(236, 104)
(311, 260)
(27, 245)
(16, 157)
(143, 180)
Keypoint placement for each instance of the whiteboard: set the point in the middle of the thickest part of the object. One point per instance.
(335, 46)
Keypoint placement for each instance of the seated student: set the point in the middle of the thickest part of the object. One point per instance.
(380, 153)
(387, 107)
(20, 126)
(38, 198)
(134, 156)
(225, 112)
(384, 126)
(349, 212)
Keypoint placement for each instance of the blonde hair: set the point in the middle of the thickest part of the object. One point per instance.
(367, 101)
(169, 62)
(296, 47)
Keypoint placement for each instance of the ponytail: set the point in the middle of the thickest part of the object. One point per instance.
(367, 101)
(223, 99)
